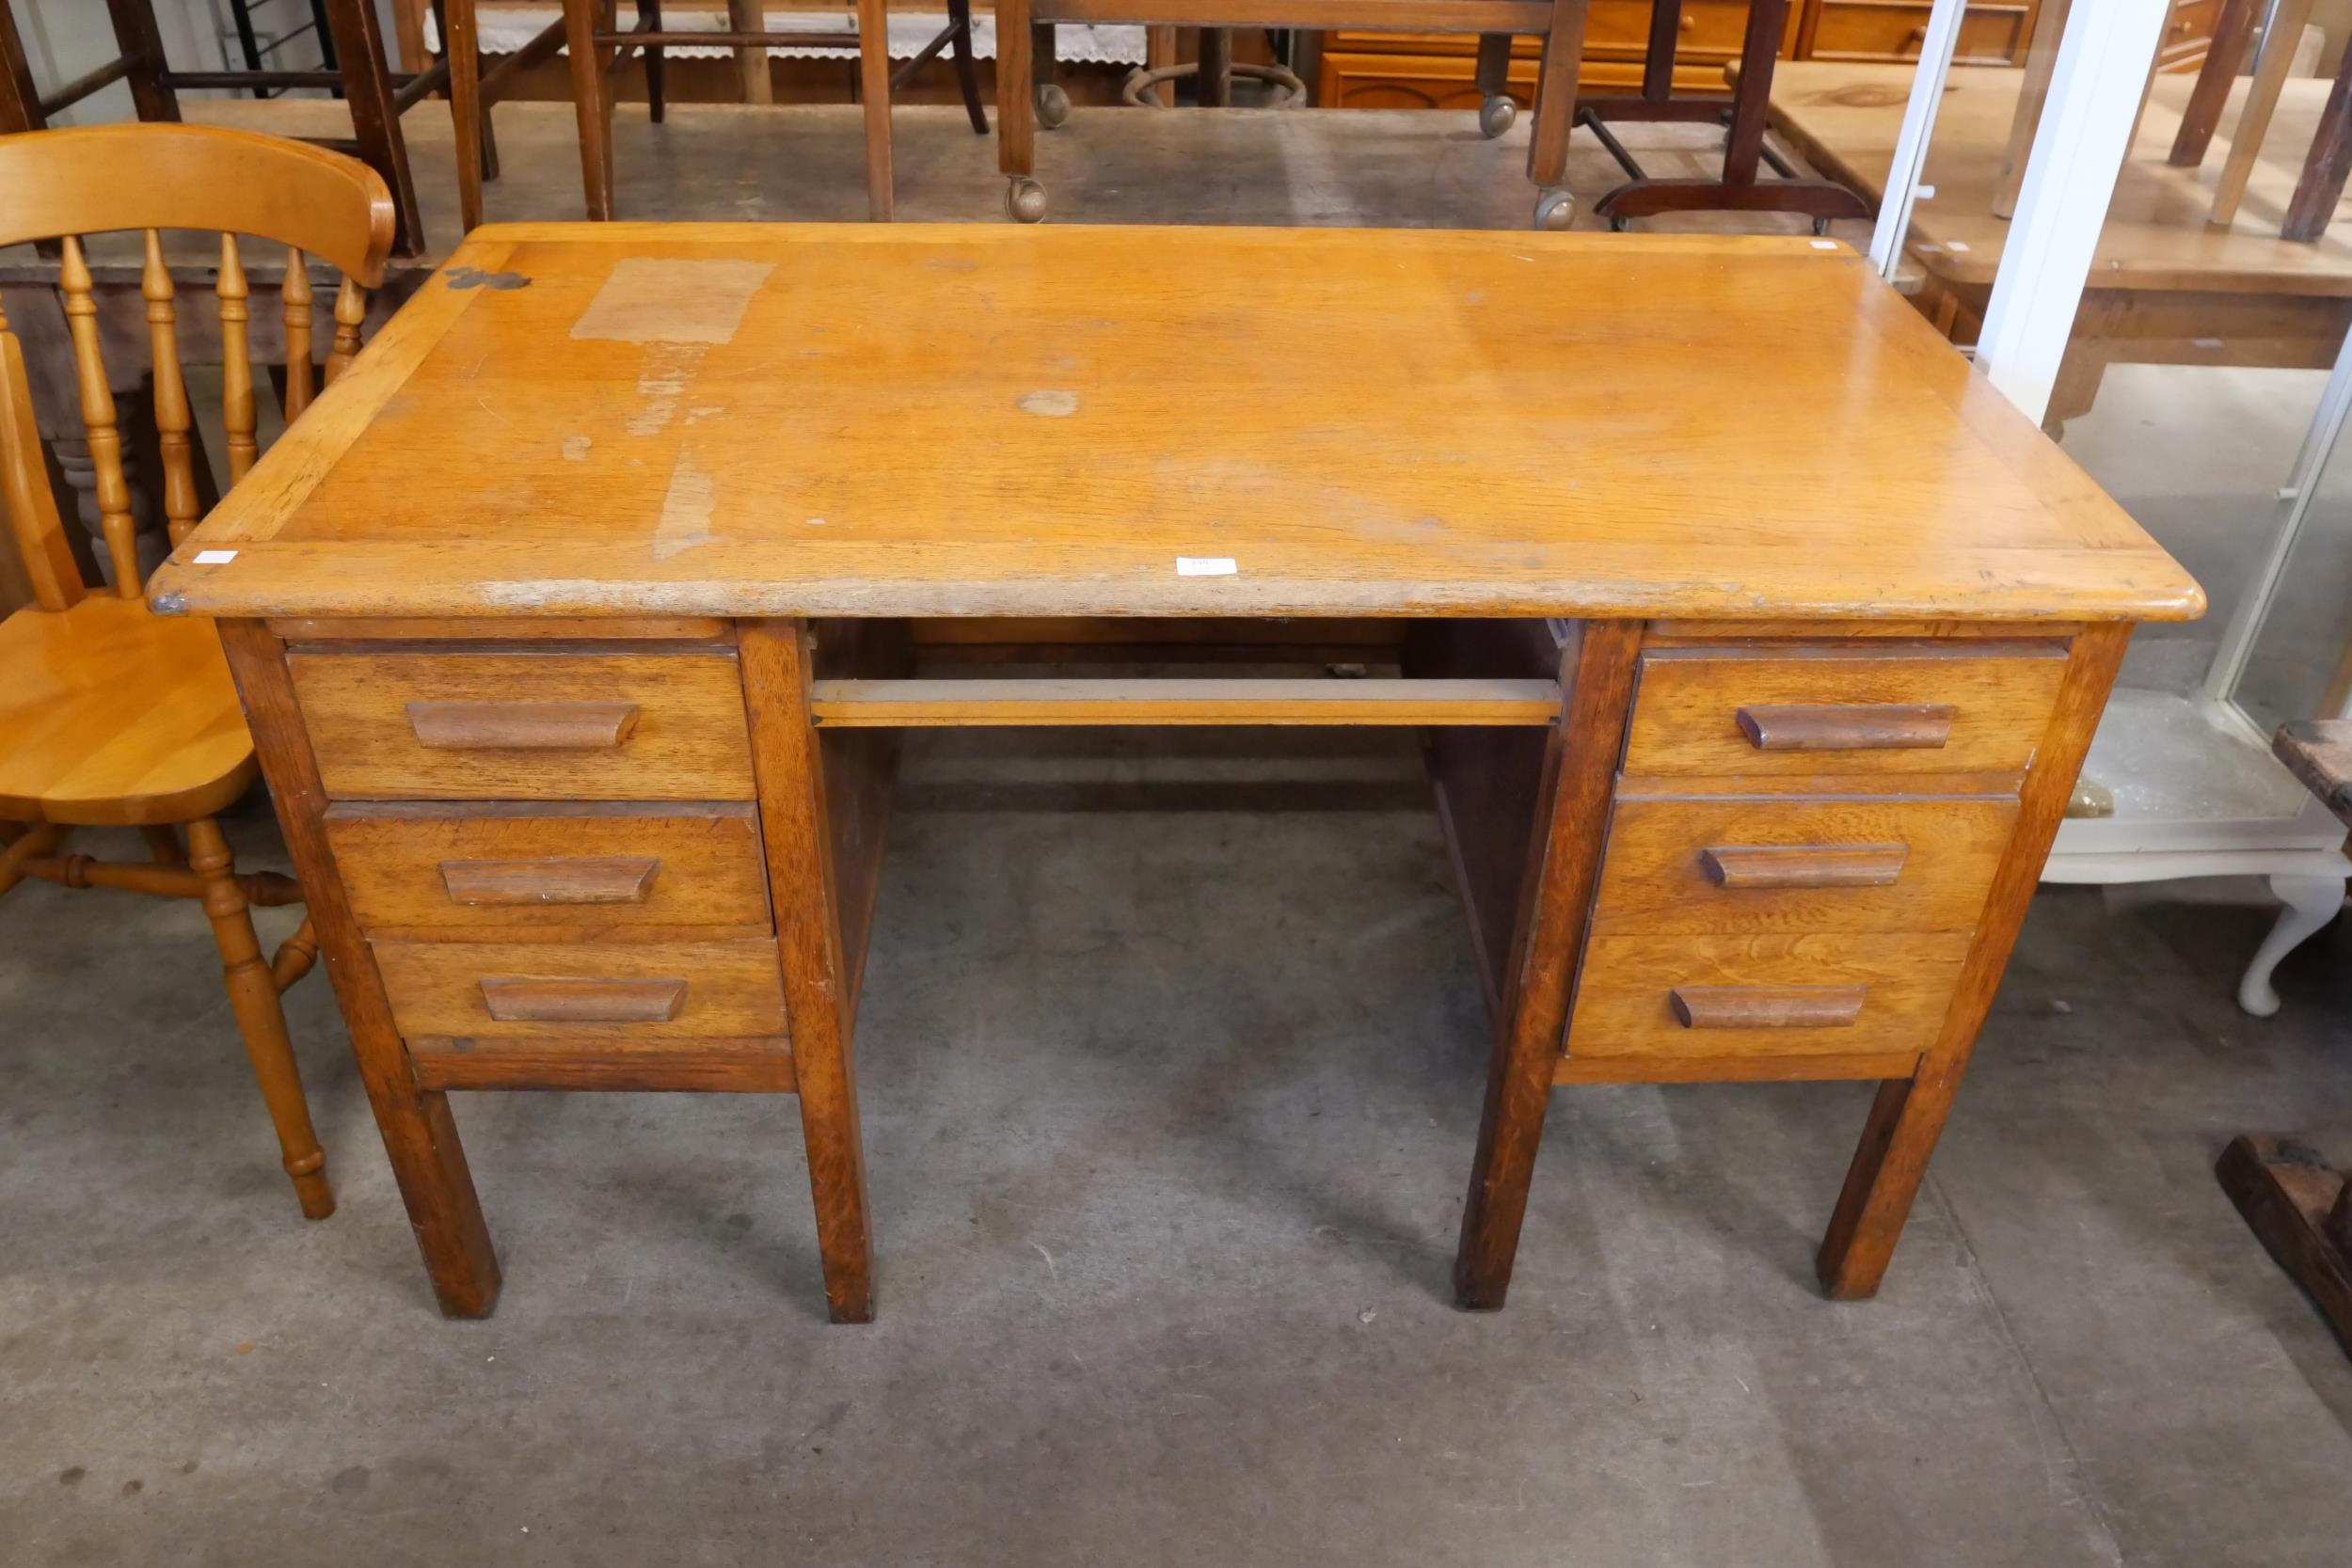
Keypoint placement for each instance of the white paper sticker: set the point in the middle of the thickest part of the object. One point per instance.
(1205, 566)
(1825, 245)
(214, 558)
(1958, 247)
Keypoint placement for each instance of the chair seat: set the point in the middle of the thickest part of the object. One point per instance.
(110, 715)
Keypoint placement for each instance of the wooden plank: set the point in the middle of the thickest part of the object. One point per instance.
(1733, 1070)
(301, 628)
(907, 704)
(860, 766)
(2292, 1199)
(750, 1065)
(668, 990)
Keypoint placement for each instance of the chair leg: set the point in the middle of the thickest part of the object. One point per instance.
(261, 1017)
(580, 18)
(873, 67)
(967, 72)
(164, 844)
(460, 48)
(649, 12)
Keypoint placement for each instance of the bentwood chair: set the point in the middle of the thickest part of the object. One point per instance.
(110, 715)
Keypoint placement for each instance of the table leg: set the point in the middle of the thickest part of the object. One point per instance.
(1214, 84)
(1016, 113)
(1909, 1114)
(818, 983)
(2324, 169)
(358, 40)
(2261, 101)
(2201, 115)
(1743, 147)
(420, 1136)
(751, 63)
(1556, 891)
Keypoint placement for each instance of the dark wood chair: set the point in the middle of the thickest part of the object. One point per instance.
(353, 40)
(1559, 23)
(111, 716)
(590, 32)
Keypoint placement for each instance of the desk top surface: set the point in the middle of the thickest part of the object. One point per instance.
(946, 420)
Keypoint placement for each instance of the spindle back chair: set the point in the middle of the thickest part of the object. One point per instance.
(110, 715)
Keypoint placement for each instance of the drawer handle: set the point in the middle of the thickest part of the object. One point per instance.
(1848, 726)
(522, 726)
(1746, 865)
(513, 1000)
(1766, 1007)
(549, 881)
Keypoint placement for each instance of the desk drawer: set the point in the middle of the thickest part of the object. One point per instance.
(1891, 30)
(583, 991)
(1829, 994)
(530, 726)
(1792, 712)
(1733, 863)
(486, 869)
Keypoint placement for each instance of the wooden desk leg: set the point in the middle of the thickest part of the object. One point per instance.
(790, 768)
(418, 1134)
(588, 105)
(1016, 113)
(1562, 861)
(1555, 114)
(1908, 1115)
(873, 69)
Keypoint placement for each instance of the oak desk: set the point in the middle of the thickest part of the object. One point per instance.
(576, 622)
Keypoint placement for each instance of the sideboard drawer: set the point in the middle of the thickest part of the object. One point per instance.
(1734, 863)
(1766, 712)
(1820, 996)
(1894, 30)
(583, 991)
(531, 726)
(483, 869)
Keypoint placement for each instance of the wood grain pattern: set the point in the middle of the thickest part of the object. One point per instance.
(796, 828)
(1908, 1115)
(754, 1065)
(1625, 1007)
(418, 1134)
(1555, 900)
(396, 859)
(689, 742)
(305, 629)
(1687, 712)
(1530, 484)
(1656, 878)
(1809, 1068)
(1767, 1006)
(1049, 701)
(729, 987)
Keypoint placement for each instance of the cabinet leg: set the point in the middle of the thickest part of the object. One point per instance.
(2310, 903)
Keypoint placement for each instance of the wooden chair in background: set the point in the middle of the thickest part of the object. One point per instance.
(361, 77)
(110, 715)
(590, 32)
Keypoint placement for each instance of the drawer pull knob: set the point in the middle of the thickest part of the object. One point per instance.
(482, 883)
(514, 1000)
(1847, 726)
(522, 726)
(1766, 1008)
(1773, 865)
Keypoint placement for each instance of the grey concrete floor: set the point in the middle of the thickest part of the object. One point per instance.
(1171, 1062)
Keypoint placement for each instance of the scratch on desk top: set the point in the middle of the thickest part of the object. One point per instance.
(659, 299)
(686, 509)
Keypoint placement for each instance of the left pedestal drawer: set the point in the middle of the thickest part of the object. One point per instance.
(589, 990)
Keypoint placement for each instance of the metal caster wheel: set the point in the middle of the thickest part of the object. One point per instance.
(1495, 117)
(1618, 226)
(1821, 226)
(1555, 211)
(1052, 107)
(1025, 199)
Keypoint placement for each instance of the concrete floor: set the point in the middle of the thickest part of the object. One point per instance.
(1170, 1063)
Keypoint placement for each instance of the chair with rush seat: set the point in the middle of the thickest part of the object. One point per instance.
(110, 715)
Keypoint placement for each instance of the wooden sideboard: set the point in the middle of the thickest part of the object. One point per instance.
(1405, 70)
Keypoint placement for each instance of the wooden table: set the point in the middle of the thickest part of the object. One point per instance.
(2166, 288)
(577, 621)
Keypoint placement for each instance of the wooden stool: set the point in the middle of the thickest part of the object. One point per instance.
(378, 95)
(1559, 23)
(598, 47)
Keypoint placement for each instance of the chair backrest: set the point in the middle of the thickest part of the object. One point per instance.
(63, 185)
